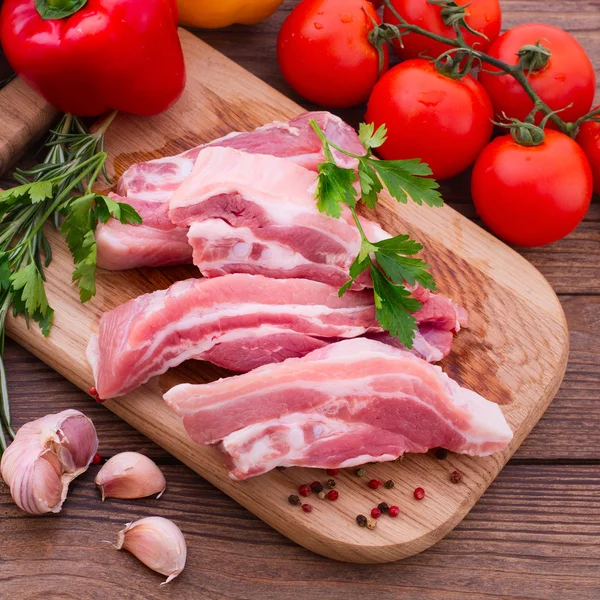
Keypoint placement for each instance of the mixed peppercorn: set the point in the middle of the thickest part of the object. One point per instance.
(383, 508)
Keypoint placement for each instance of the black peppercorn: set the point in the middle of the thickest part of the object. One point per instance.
(441, 453)
(294, 500)
(361, 520)
(316, 487)
(383, 507)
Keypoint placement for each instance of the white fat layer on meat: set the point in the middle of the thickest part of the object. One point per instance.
(194, 348)
(487, 421)
(262, 179)
(274, 256)
(264, 455)
(427, 351)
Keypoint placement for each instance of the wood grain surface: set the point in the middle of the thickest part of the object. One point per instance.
(534, 534)
(24, 118)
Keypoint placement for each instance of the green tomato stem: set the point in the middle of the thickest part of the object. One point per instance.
(516, 71)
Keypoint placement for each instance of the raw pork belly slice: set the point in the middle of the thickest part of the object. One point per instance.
(348, 403)
(148, 187)
(238, 322)
(277, 251)
(270, 216)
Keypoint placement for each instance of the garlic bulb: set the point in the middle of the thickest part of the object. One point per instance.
(130, 475)
(45, 456)
(156, 542)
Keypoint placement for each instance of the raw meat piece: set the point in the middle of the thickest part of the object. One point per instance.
(238, 322)
(148, 187)
(271, 202)
(348, 403)
(278, 250)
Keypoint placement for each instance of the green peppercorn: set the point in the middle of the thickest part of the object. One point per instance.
(321, 495)
(294, 500)
(361, 520)
(331, 483)
(383, 507)
(389, 484)
(360, 472)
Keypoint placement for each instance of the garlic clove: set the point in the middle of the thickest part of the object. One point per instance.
(130, 475)
(45, 456)
(158, 543)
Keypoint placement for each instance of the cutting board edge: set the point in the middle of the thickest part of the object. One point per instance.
(27, 116)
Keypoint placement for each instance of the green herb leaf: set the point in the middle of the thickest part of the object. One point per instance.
(106, 207)
(85, 270)
(370, 185)
(401, 244)
(400, 269)
(40, 190)
(408, 179)
(394, 305)
(370, 138)
(334, 188)
(28, 285)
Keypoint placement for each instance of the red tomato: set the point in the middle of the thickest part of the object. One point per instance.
(567, 78)
(482, 15)
(589, 139)
(443, 121)
(324, 52)
(532, 195)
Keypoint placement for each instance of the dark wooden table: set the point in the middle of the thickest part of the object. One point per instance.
(534, 534)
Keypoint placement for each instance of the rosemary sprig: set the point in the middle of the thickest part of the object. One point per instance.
(58, 190)
(391, 263)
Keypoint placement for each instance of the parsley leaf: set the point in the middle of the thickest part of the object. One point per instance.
(370, 185)
(370, 138)
(394, 305)
(400, 269)
(334, 188)
(406, 179)
(28, 285)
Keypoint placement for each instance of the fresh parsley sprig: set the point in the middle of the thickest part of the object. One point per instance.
(59, 189)
(391, 263)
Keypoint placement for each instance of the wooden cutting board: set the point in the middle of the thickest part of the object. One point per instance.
(514, 352)
(25, 117)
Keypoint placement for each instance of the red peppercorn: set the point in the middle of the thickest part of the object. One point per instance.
(375, 513)
(92, 391)
(304, 490)
(332, 472)
(456, 477)
(419, 494)
(374, 484)
(333, 495)
(307, 508)
(394, 511)
(97, 459)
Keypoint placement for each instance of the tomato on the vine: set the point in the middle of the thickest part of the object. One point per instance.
(324, 51)
(532, 195)
(568, 78)
(589, 139)
(443, 121)
(483, 16)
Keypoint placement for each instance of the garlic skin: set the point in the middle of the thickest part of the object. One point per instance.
(158, 543)
(130, 475)
(45, 456)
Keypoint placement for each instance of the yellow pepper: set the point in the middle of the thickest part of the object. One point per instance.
(221, 13)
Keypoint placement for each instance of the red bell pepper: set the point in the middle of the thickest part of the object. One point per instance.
(89, 56)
